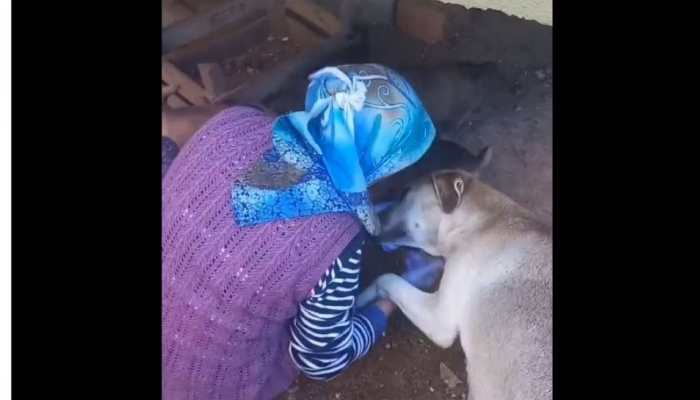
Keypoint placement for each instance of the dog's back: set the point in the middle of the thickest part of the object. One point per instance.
(496, 288)
(506, 332)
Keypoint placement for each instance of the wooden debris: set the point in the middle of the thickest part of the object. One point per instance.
(247, 50)
(213, 79)
(232, 12)
(302, 34)
(316, 16)
(176, 101)
(260, 87)
(225, 43)
(276, 12)
(173, 11)
(170, 97)
(188, 88)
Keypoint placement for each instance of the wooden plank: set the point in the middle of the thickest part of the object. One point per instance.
(316, 16)
(171, 98)
(421, 19)
(302, 35)
(231, 12)
(213, 79)
(276, 12)
(267, 84)
(175, 101)
(188, 88)
(173, 11)
(226, 43)
(167, 90)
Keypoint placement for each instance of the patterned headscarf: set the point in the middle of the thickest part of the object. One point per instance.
(361, 123)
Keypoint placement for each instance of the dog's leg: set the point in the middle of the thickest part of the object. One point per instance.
(367, 296)
(423, 309)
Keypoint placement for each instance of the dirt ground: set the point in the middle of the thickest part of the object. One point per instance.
(490, 84)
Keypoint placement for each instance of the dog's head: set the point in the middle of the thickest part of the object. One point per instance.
(416, 219)
(443, 154)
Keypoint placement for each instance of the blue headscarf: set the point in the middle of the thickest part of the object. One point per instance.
(361, 123)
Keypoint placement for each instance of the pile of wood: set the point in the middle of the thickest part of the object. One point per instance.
(239, 51)
(244, 50)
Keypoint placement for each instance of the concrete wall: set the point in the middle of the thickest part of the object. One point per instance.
(537, 10)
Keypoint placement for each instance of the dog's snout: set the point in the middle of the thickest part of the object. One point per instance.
(384, 207)
(384, 220)
(392, 229)
(383, 211)
(390, 233)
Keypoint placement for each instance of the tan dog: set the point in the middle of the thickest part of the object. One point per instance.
(496, 289)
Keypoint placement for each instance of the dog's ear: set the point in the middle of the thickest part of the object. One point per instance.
(450, 187)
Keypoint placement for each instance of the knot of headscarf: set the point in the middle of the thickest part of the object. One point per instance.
(361, 123)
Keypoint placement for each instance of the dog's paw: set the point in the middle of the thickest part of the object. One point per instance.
(377, 290)
(383, 283)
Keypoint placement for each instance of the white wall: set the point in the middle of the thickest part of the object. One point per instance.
(537, 10)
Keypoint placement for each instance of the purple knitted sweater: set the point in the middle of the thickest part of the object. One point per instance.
(229, 293)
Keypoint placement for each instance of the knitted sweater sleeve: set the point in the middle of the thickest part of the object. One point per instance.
(168, 152)
(328, 333)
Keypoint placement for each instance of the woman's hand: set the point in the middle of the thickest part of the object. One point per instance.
(422, 269)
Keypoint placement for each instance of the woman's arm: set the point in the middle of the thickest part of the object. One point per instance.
(169, 150)
(328, 333)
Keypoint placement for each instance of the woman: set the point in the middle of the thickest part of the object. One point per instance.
(263, 224)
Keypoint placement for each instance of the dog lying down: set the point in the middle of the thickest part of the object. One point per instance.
(442, 154)
(496, 288)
